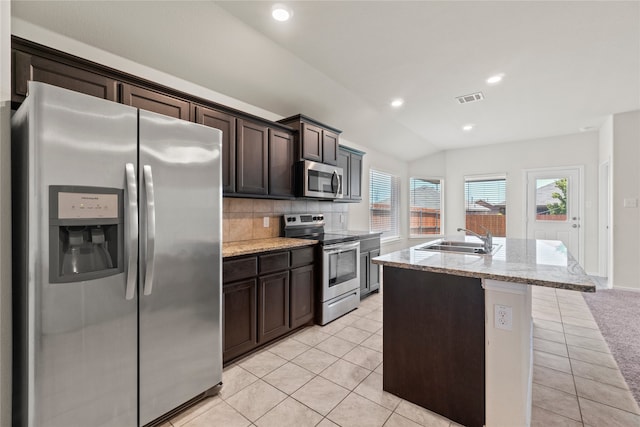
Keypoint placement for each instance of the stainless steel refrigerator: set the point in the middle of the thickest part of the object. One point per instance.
(117, 261)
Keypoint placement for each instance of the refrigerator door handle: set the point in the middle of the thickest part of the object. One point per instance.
(132, 218)
(151, 230)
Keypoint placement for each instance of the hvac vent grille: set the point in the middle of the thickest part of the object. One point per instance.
(472, 97)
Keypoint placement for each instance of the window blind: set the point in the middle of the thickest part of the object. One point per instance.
(485, 205)
(384, 203)
(425, 207)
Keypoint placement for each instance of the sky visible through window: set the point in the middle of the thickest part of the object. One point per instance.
(491, 191)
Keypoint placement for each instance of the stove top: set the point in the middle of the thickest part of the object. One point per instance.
(311, 226)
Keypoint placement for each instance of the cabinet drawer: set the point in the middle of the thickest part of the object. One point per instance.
(369, 244)
(274, 262)
(237, 269)
(302, 256)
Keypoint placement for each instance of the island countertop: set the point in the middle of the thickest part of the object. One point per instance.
(527, 261)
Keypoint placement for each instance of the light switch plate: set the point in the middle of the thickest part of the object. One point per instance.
(630, 203)
(265, 222)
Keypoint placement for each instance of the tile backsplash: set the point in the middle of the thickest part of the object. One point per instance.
(243, 219)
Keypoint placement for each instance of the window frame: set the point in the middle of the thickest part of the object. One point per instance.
(395, 199)
(486, 177)
(442, 210)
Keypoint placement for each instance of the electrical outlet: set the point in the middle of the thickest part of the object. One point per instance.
(503, 317)
(341, 218)
(265, 222)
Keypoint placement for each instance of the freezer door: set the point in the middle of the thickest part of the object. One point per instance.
(75, 343)
(180, 262)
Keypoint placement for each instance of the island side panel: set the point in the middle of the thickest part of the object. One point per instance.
(433, 342)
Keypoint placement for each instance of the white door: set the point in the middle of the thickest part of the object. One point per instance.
(554, 207)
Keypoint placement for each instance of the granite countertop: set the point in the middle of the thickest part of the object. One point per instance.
(533, 262)
(247, 247)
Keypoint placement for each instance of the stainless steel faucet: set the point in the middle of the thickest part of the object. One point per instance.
(487, 240)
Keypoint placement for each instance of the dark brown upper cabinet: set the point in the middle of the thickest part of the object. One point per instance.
(350, 160)
(28, 67)
(157, 102)
(281, 163)
(227, 124)
(329, 147)
(311, 142)
(252, 158)
(316, 141)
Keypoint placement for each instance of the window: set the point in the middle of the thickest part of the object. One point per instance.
(485, 204)
(425, 207)
(384, 204)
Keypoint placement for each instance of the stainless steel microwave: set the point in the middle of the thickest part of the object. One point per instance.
(319, 180)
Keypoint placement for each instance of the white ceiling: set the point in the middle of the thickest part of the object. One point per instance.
(567, 65)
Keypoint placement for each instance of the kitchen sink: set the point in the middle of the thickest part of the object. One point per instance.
(475, 248)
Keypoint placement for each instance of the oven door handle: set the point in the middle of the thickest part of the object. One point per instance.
(341, 248)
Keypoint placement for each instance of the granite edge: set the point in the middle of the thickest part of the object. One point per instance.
(480, 275)
(256, 246)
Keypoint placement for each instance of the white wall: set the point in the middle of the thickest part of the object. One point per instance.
(5, 214)
(511, 159)
(359, 213)
(626, 186)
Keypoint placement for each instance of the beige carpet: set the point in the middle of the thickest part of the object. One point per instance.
(618, 316)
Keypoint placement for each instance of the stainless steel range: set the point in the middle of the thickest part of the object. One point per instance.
(340, 283)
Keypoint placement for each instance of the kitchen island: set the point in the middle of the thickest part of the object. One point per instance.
(458, 328)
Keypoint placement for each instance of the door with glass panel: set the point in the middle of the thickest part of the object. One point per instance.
(553, 207)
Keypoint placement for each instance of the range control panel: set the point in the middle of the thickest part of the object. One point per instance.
(293, 220)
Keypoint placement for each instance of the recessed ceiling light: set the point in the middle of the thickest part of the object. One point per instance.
(468, 128)
(281, 12)
(587, 128)
(495, 79)
(397, 102)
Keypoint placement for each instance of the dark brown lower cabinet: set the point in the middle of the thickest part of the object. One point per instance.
(266, 296)
(273, 310)
(302, 290)
(434, 345)
(240, 325)
(369, 272)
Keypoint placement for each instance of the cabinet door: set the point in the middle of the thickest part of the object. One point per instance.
(364, 274)
(252, 157)
(344, 163)
(311, 138)
(355, 176)
(30, 67)
(281, 161)
(302, 288)
(374, 271)
(156, 102)
(273, 309)
(227, 124)
(329, 147)
(239, 314)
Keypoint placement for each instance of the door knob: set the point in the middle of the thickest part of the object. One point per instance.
(575, 225)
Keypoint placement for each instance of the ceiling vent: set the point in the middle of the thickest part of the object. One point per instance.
(472, 97)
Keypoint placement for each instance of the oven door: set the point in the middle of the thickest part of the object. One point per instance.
(322, 181)
(340, 269)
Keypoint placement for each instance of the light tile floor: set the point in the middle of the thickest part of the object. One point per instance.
(332, 376)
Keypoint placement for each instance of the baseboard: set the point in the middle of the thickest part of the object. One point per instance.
(622, 288)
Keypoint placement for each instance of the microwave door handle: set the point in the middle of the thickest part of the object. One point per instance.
(132, 221)
(337, 177)
(151, 230)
